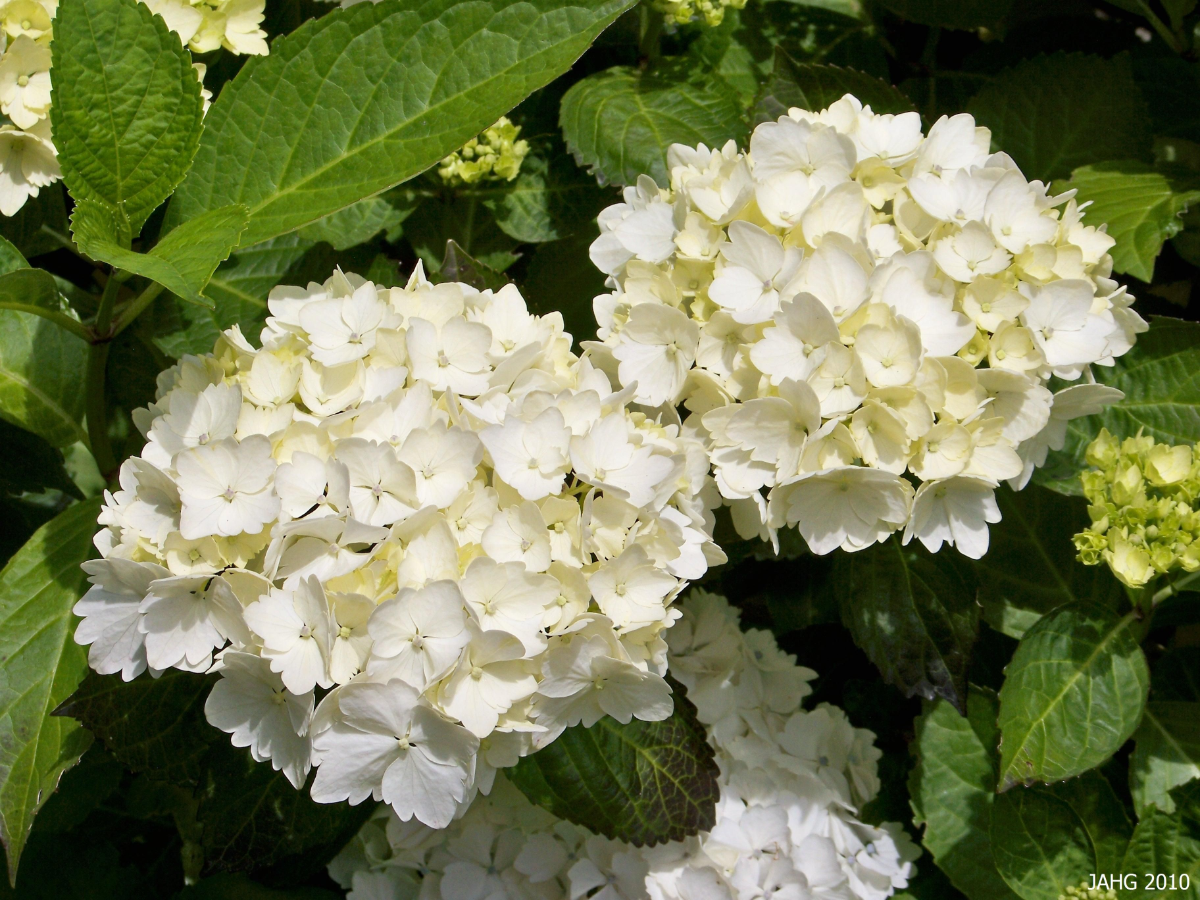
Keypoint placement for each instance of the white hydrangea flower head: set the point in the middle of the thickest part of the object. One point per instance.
(792, 780)
(28, 157)
(416, 534)
(860, 321)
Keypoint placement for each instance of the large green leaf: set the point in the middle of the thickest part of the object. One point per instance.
(153, 725)
(1047, 838)
(1072, 695)
(127, 114)
(40, 664)
(1030, 567)
(1139, 205)
(1162, 844)
(741, 50)
(464, 219)
(363, 98)
(239, 290)
(1167, 753)
(182, 262)
(41, 371)
(1055, 113)
(548, 201)
(952, 789)
(250, 272)
(620, 122)
(28, 463)
(1160, 377)
(814, 87)
(561, 278)
(253, 819)
(642, 783)
(913, 613)
(355, 224)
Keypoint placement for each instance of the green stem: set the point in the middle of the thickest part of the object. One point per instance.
(469, 224)
(1173, 588)
(97, 417)
(1164, 32)
(64, 241)
(134, 308)
(649, 35)
(60, 319)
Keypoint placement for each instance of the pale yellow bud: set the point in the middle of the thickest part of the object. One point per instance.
(1168, 465)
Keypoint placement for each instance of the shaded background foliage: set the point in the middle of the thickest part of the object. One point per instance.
(1103, 97)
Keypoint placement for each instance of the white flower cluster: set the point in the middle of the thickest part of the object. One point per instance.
(791, 782)
(28, 157)
(420, 498)
(854, 307)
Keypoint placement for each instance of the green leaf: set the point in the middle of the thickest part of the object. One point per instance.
(1030, 567)
(250, 272)
(953, 787)
(356, 224)
(642, 783)
(620, 122)
(813, 87)
(561, 278)
(1140, 207)
(1176, 675)
(464, 219)
(961, 14)
(341, 130)
(1163, 844)
(253, 819)
(913, 613)
(153, 725)
(1055, 113)
(34, 288)
(41, 369)
(1073, 694)
(40, 664)
(549, 200)
(182, 262)
(28, 463)
(1049, 837)
(457, 265)
(239, 288)
(1167, 753)
(741, 50)
(127, 114)
(1160, 377)
(41, 224)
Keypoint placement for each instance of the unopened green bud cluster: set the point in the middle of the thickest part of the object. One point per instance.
(1142, 502)
(711, 12)
(495, 155)
(1083, 892)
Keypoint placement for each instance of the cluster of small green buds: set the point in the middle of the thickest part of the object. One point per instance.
(1142, 502)
(495, 155)
(1083, 892)
(681, 12)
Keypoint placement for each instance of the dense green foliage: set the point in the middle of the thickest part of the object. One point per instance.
(1039, 721)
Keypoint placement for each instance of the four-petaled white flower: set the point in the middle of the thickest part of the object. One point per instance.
(387, 743)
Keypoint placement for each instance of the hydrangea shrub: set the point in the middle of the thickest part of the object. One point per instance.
(444, 442)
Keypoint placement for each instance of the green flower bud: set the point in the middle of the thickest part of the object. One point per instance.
(495, 155)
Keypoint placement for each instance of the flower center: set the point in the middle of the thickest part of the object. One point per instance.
(476, 672)
(228, 493)
(443, 359)
(23, 80)
(344, 632)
